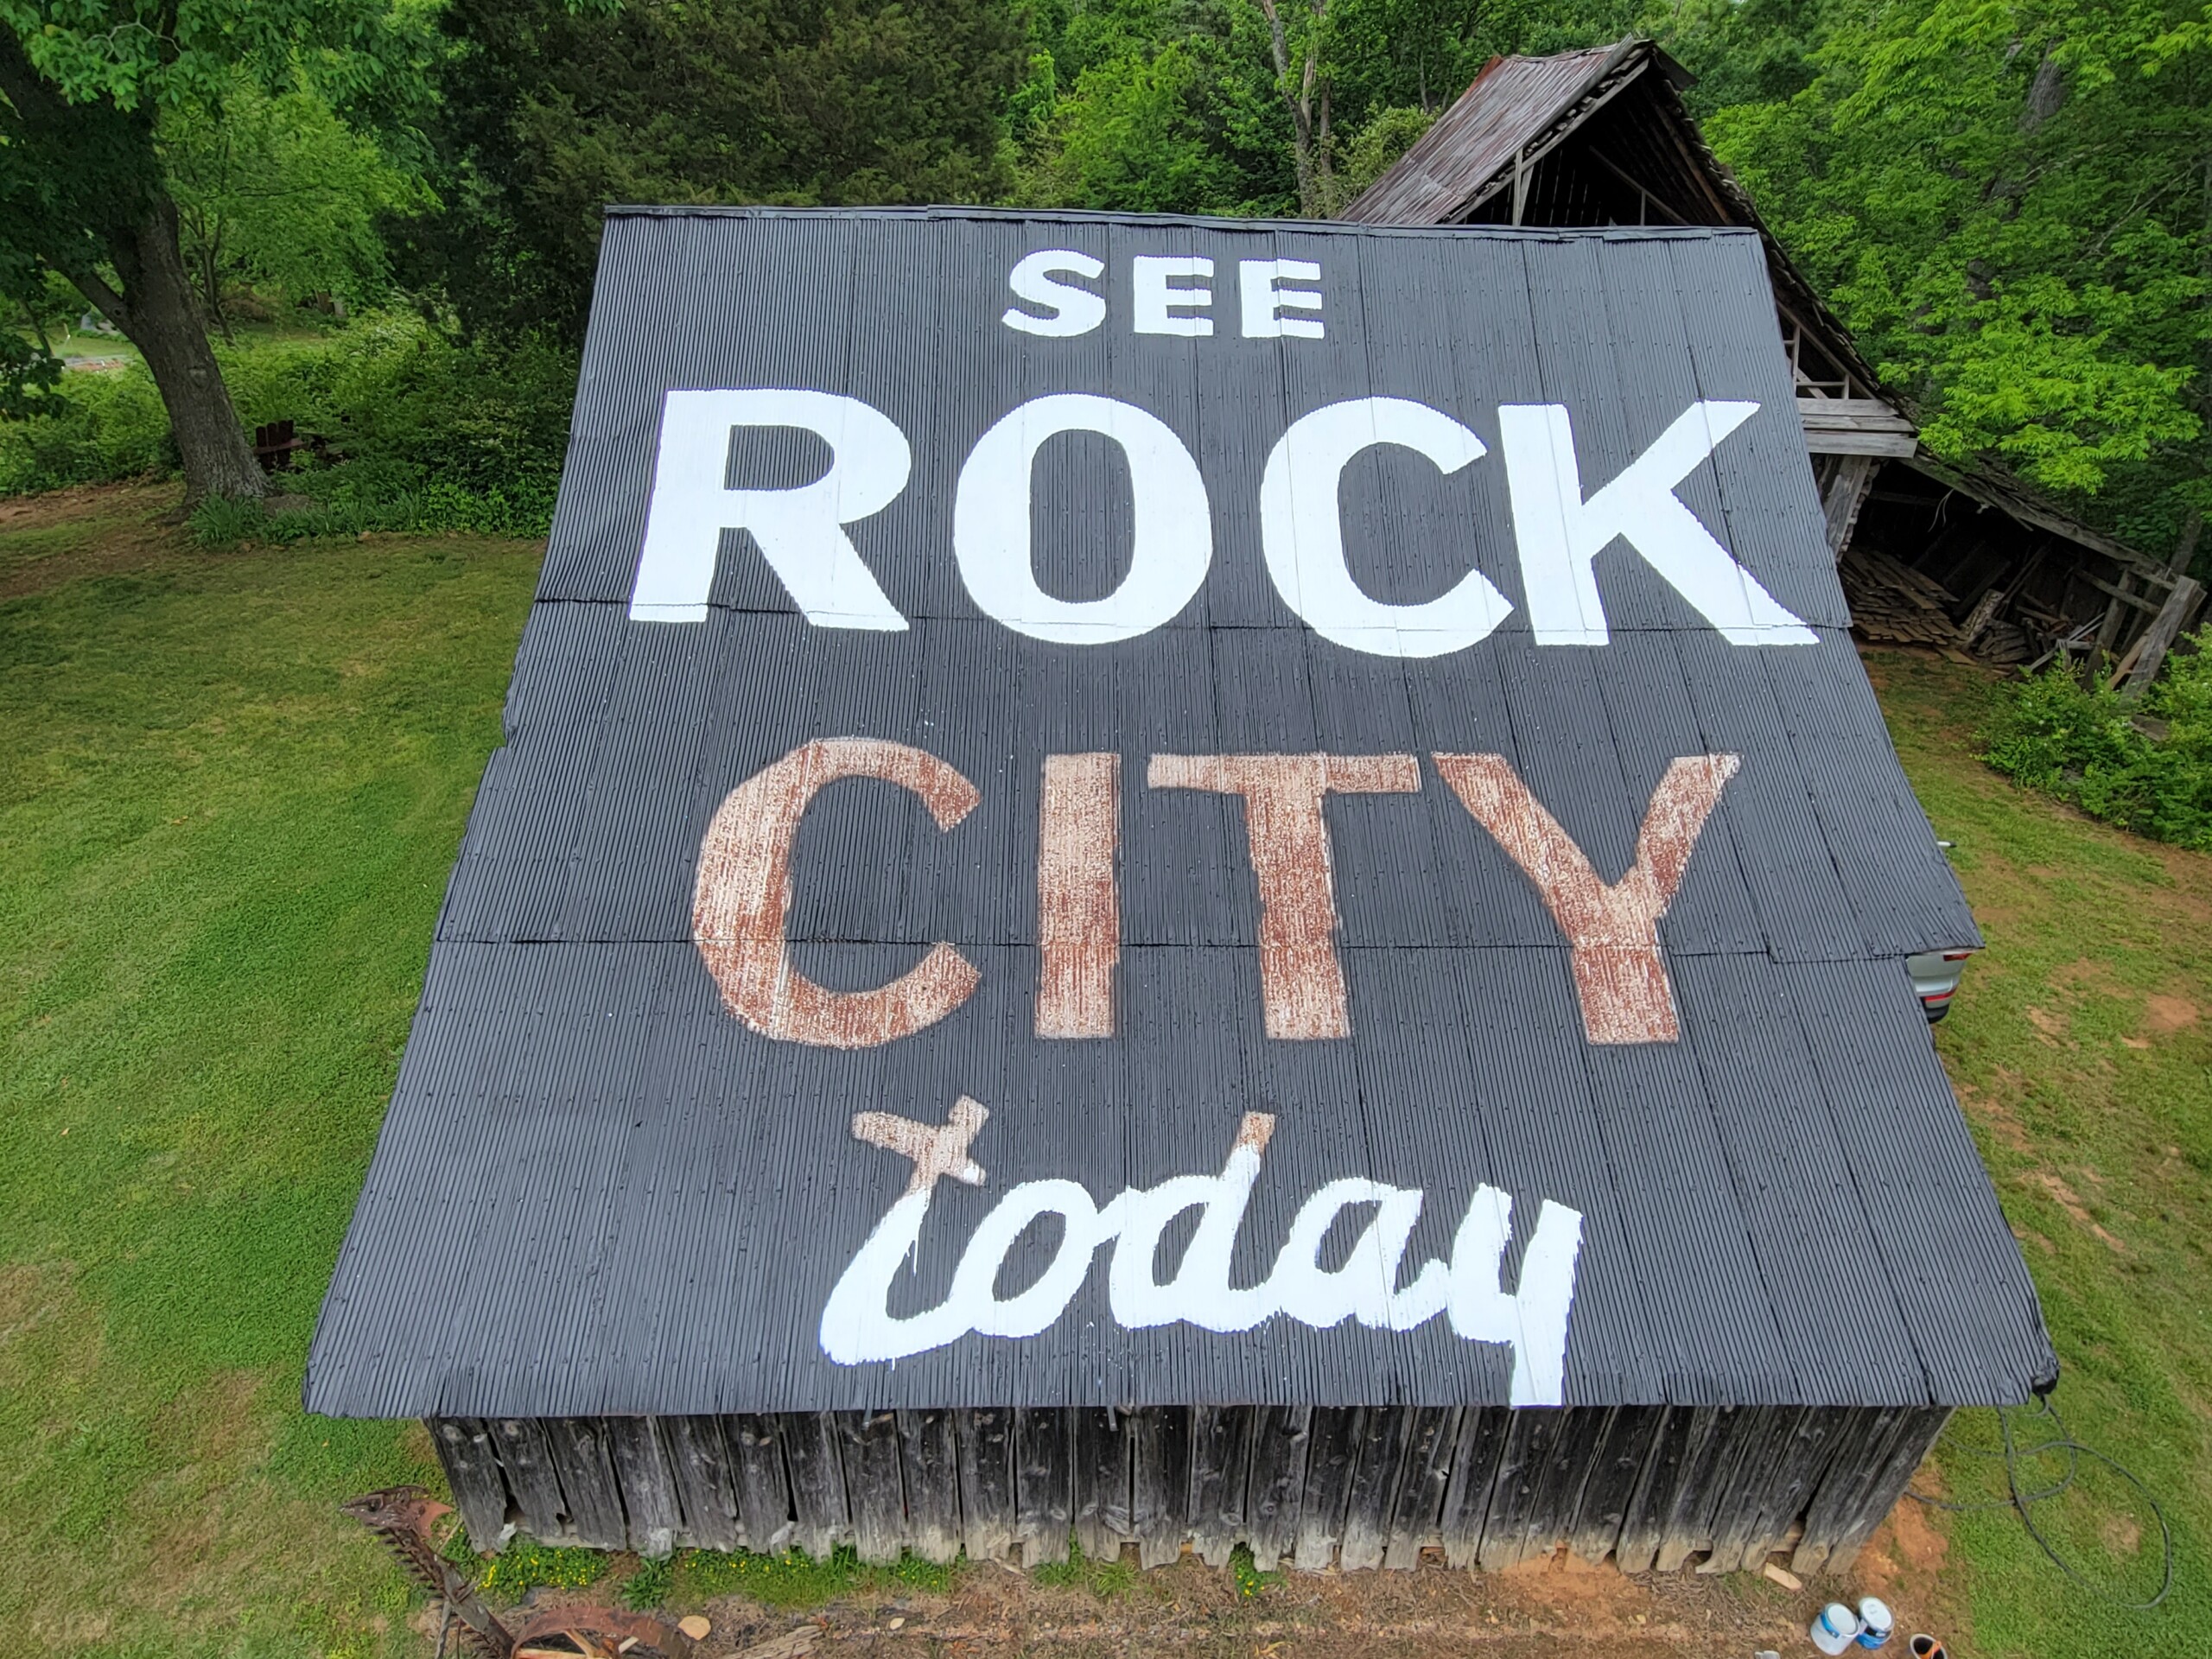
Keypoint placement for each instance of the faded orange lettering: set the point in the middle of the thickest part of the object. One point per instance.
(1301, 982)
(1620, 976)
(744, 893)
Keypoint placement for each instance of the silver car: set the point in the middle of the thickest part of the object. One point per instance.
(1935, 976)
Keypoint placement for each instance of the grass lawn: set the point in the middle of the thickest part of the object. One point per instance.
(231, 788)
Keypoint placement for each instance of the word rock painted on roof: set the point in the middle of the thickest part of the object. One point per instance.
(1016, 705)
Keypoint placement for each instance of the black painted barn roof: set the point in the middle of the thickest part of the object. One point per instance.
(598, 1193)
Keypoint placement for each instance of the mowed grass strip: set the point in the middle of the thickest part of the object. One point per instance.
(231, 788)
(2081, 1048)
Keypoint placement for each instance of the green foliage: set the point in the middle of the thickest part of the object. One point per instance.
(1245, 1571)
(1105, 1577)
(550, 111)
(425, 433)
(275, 188)
(649, 1586)
(1378, 147)
(791, 1578)
(2010, 206)
(2085, 746)
(526, 1564)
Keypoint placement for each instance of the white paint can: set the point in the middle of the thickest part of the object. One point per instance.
(1875, 1623)
(1836, 1629)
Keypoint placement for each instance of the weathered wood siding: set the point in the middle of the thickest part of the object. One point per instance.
(1358, 1486)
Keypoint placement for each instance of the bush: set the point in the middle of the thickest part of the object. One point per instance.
(425, 433)
(2153, 776)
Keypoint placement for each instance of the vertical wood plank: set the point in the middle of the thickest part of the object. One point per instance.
(590, 1491)
(763, 1500)
(1657, 1485)
(1788, 1488)
(1416, 1513)
(1160, 1482)
(1616, 1465)
(1564, 1476)
(1221, 1461)
(930, 1465)
(651, 1510)
(704, 1485)
(1766, 1433)
(471, 1466)
(1280, 1438)
(814, 1452)
(1916, 1436)
(984, 1441)
(1687, 1526)
(1476, 1457)
(1861, 1451)
(1043, 1509)
(1328, 1485)
(1378, 1466)
(1102, 1483)
(1529, 1441)
(528, 1466)
(873, 1484)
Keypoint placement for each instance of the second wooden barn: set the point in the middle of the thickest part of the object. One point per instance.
(1933, 553)
(1168, 883)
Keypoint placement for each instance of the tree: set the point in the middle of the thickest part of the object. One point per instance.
(2012, 208)
(550, 111)
(83, 85)
(276, 188)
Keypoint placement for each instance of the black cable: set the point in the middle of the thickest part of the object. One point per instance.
(2023, 1500)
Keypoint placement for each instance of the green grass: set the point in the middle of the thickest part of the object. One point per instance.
(792, 1578)
(1105, 1578)
(232, 786)
(230, 791)
(2081, 1047)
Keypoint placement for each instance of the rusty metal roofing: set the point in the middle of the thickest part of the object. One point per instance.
(1120, 810)
(1512, 102)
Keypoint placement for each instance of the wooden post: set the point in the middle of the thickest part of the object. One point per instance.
(2173, 616)
(1846, 495)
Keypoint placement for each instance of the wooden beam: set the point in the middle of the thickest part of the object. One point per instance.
(2158, 638)
(1846, 490)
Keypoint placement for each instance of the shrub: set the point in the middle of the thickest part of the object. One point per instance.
(2152, 776)
(425, 433)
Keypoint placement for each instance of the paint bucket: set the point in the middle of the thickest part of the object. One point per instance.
(1874, 1623)
(1836, 1629)
(1927, 1647)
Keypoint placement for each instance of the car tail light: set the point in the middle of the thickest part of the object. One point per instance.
(1956, 956)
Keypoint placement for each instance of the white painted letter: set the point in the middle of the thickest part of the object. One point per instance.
(1560, 533)
(1075, 310)
(1174, 529)
(1150, 273)
(1263, 302)
(801, 531)
(1367, 1283)
(1302, 529)
(975, 1284)
(1199, 1293)
(1534, 1318)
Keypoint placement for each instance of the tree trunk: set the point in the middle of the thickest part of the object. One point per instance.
(1301, 120)
(157, 311)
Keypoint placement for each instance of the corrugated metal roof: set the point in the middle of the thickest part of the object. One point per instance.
(599, 1191)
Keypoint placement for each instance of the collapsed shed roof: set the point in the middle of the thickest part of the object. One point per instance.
(1381, 776)
(1602, 136)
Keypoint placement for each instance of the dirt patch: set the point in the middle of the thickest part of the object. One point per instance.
(1555, 1606)
(2051, 1025)
(94, 529)
(2164, 1015)
(2070, 1202)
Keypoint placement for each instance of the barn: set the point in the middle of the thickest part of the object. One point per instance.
(1957, 557)
(1181, 883)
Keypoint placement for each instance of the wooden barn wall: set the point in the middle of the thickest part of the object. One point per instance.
(1655, 1487)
